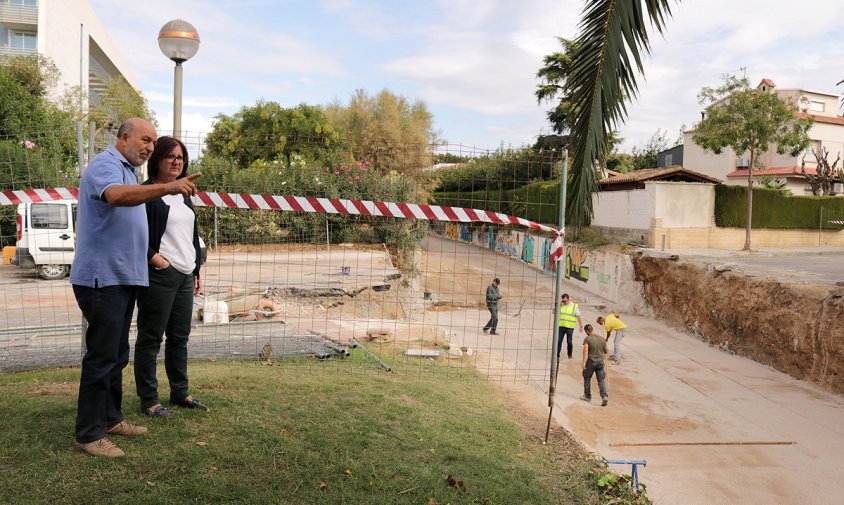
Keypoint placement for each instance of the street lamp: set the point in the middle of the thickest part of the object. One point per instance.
(179, 41)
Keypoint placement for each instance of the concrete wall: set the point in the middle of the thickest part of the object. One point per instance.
(632, 209)
(733, 238)
(676, 204)
(707, 162)
(681, 204)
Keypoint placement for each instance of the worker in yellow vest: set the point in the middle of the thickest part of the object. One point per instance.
(613, 323)
(568, 318)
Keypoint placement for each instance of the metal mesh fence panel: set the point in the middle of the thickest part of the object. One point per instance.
(356, 291)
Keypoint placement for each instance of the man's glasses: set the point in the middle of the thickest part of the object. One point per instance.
(173, 158)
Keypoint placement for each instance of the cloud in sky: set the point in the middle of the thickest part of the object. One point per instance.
(472, 61)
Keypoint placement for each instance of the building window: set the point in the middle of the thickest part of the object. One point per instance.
(817, 106)
(669, 160)
(814, 145)
(23, 40)
(27, 3)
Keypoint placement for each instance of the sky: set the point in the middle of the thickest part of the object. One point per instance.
(472, 62)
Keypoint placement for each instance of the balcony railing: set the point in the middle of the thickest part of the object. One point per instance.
(19, 14)
(16, 51)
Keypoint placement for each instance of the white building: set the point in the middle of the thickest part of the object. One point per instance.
(70, 34)
(826, 132)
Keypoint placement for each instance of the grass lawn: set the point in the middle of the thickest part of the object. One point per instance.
(295, 434)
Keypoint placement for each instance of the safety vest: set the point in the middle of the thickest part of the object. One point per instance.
(568, 319)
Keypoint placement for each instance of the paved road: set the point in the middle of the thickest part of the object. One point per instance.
(806, 265)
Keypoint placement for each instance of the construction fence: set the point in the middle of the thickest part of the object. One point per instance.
(287, 277)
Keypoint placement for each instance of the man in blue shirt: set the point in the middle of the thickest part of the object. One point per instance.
(109, 266)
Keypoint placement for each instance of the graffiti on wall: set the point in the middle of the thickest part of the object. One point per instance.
(576, 262)
(545, 257)
(532, 250)
(481, 237)
(452, 231)
(465, 233)
(603, 276)
(527, 250)
(507, 242)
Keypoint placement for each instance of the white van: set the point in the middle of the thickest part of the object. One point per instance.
(46, 238)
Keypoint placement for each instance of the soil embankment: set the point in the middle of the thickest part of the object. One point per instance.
(796, 329)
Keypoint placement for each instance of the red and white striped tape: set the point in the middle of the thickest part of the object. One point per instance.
(319, 205)
(37, 195)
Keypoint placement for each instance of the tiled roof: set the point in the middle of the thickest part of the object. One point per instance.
(768, 83)
(773, 171)
(822, 119)
(655, 174)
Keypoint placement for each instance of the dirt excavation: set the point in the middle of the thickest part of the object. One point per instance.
(792, 328)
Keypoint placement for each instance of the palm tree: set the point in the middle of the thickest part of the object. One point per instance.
(613, 37)
(554, 73)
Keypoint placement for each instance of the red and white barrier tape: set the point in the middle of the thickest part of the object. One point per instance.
(319, 205)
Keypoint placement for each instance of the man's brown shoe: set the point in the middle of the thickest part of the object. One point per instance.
(126, 429)
(102, 447)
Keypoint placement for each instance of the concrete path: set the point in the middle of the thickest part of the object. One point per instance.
(714, 428)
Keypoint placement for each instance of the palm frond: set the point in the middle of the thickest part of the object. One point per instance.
(613, 37)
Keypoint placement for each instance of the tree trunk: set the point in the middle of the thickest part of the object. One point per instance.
(749, 201)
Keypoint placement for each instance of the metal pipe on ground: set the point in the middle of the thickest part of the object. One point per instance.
(380, 362)
(319, 352)
(342, 351)
(335, 345)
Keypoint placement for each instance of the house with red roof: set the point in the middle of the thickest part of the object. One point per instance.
(827, 132)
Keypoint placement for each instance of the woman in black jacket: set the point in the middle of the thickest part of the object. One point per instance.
(166, 306)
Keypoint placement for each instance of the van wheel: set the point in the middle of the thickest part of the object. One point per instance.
(52, 272)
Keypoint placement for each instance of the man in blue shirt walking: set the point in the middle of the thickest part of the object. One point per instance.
(109, 266)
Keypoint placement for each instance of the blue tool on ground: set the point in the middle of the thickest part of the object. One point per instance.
(634, 481)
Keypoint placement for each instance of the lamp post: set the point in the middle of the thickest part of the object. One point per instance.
(179, 41)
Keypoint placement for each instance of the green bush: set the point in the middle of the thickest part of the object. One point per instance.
(538, 201)
(774, 209)
(501, 170)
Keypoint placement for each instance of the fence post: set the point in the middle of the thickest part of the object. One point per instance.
(215, 230)
(820, 226)
(92, 140)
(80, 148)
